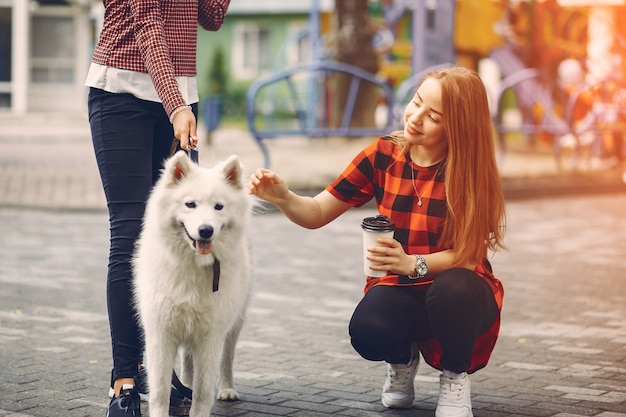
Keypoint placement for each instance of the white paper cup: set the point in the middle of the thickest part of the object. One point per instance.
(373, 229)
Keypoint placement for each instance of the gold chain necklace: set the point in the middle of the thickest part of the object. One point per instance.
(419, 199)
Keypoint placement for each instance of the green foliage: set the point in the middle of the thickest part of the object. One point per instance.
(234, 101)
(218, 78)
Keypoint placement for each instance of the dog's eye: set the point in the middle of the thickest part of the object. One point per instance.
(219, 206)
(190, 204)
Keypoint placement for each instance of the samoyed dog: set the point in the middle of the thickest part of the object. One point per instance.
(192, 279)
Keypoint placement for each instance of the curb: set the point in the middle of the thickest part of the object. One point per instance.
(575, 184)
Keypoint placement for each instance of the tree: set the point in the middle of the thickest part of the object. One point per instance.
(217, 75)
(354, 47)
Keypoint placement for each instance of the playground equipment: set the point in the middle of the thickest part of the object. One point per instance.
(530, 95)
(296, 101)
(589, 125)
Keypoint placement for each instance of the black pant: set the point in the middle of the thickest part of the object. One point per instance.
(457, 308)
(131, 139)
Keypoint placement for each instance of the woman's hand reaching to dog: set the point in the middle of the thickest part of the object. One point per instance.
(268, 186)
(309, 212)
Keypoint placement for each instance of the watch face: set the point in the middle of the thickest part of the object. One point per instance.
(421, 268)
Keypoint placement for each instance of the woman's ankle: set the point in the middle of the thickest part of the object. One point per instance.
(119, 383)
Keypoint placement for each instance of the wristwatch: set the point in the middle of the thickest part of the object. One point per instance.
(421, 267)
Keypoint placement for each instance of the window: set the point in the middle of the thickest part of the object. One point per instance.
(298, 49)
(251, 55)
(5, 56)
(431, 10)
(52, 49)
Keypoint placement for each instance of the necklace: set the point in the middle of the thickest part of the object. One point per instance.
(419, 199)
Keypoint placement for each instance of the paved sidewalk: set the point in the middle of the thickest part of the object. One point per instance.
(562, 349)
(48, 163)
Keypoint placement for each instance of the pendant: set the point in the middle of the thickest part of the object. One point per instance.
(419, 202)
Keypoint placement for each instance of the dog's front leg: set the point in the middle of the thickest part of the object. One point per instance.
(186, 367)
(205, 368)
(227, 390)
(160, 356)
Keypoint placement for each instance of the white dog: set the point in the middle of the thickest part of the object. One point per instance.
(192, 279)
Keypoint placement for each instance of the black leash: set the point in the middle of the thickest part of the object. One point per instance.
(216, 274)
(182, 390)
(191, 153)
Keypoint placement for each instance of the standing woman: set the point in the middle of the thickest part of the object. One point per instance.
(438, 181)
(143, 95)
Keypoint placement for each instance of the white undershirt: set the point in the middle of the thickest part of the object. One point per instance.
(139, 84)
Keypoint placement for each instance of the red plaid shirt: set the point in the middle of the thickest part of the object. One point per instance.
(382, 171)
(157, 37)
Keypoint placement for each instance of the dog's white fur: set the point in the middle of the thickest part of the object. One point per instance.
(174, 279)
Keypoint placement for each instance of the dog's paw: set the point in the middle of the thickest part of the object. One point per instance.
(227, 394)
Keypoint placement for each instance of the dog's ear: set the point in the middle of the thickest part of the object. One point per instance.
(232, 171)
(177, 167)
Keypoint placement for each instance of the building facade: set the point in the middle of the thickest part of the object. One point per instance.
(45, 46)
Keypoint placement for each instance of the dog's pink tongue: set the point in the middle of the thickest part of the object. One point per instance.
(203, 247)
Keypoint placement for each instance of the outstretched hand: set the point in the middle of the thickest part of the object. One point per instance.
(268, 186)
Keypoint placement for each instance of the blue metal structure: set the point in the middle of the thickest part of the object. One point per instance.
(295, 101)
(301, 92)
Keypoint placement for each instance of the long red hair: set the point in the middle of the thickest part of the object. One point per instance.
(476, 218)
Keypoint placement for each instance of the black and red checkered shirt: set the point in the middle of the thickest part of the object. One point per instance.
(383, 172)
(157, 37)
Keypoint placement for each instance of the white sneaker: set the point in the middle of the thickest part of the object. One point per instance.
(399, 391)
(454, 397)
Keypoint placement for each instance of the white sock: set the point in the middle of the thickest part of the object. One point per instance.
(453, 375)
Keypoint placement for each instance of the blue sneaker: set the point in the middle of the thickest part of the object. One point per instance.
(180, 398)
(126, 404)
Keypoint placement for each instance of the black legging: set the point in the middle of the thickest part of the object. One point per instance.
(457, 308)
(131, 139)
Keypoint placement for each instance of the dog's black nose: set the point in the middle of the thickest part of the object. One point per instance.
(205, 231)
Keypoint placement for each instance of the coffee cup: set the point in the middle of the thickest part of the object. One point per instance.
(374, 228)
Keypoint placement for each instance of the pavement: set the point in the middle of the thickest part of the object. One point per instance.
(561, 352)
(48, 162)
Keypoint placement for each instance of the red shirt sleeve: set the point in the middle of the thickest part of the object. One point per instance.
(211, 13)
(154, 46)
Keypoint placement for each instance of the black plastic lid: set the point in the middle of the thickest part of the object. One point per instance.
(378, 223)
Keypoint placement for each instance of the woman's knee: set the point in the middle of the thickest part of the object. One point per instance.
(370, 338)
(367, 327)
(384, 321)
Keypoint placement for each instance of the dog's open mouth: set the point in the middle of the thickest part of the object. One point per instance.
(203, 247)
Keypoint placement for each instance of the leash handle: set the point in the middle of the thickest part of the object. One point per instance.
(191, 153)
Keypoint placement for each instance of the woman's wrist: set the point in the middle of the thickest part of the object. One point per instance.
(178, 110)
(420, 267)
(410, 270)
